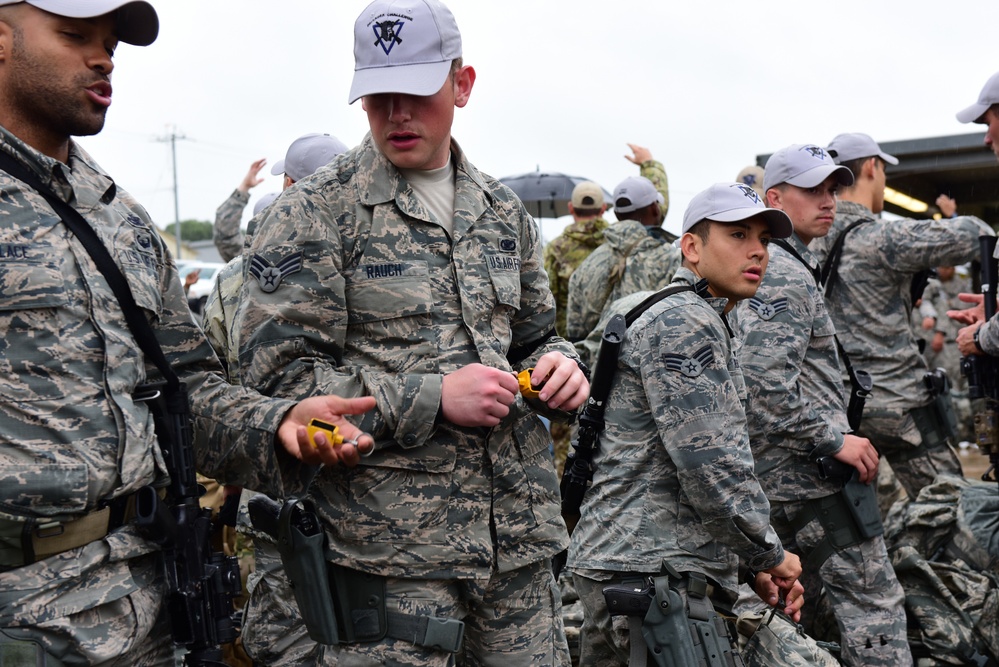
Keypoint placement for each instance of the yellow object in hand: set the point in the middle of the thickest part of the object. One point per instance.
(331, 431)
(524, 380)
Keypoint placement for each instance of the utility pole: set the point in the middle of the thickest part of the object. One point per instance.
(172, 138)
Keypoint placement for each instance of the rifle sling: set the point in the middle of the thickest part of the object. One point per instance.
(116, 280)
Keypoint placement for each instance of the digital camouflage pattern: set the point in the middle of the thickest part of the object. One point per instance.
(219, 320)
(350, 288)
(870, 301)
(870, 304)
(630, 260)
(943, 295)
(796, 406)
(774, 641)
(73, 435)
(656, 172)
(564, 254)
(945, 549)
(796, 411)
(226, 234)
(674, 473)
(988, 334)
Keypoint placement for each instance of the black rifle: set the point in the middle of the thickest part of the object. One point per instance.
(578, 471)
(982, 369)
(201, 582)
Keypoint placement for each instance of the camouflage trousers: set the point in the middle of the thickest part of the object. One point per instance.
(896, 438)
(860, 586)
(514, 618)
(273, 631)
(83, 609)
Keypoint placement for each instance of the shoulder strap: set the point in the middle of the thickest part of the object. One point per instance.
(76, 223)
(816, 271)
(831, 267)
(652, 300)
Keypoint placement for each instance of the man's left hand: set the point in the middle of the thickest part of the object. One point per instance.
(565, 385)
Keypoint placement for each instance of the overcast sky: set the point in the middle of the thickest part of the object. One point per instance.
(562, 86)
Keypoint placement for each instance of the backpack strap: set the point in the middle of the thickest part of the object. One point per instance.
(830, 269)
(652, 300)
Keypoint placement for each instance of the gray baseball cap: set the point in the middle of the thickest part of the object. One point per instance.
(732, 202)
(264, 202)
(403, 46)
(136, 20)
(988, 97)
(307, 154)
(803, 165)
(854, 145)
(637, 192)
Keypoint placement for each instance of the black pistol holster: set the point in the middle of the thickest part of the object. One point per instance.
(340, 605)
(672, 622)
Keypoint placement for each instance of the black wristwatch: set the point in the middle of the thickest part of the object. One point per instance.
(978, 345)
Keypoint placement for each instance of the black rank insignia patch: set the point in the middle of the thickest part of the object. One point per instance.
(767, 311)
(268, 275)
(690, 366)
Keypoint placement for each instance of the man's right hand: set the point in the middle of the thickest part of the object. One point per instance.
(478, 395)
(251, 180)
(859, 453)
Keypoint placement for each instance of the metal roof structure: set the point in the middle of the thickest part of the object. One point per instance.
(958, 165)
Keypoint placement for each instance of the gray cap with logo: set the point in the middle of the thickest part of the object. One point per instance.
(805, 166)
(403, 46)
(733, 202)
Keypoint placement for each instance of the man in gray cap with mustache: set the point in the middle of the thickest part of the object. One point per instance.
(80, 584)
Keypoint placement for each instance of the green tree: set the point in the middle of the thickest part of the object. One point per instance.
(192, 230)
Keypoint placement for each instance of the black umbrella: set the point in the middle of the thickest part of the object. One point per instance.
(546, 195)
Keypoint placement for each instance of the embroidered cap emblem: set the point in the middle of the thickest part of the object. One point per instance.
(387, 34)
(270, 276)
(815, 152)
(749, 193)
(690, 366)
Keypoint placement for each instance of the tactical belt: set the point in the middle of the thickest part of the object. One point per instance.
(26, 542)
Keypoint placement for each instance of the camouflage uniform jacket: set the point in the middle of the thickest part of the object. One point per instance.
(797, 400)
(226, 233)
(630, 260)
(564, 254)
(870, 301)
(219, 319)
(674, 473)
(988, 335)
(374, 298)
(656, 172)
(72, 434)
